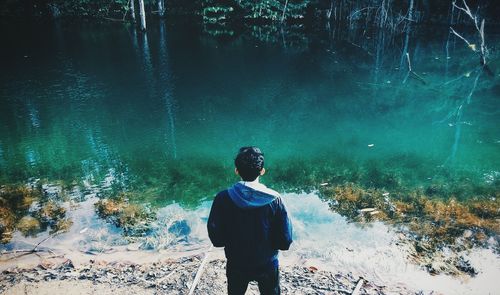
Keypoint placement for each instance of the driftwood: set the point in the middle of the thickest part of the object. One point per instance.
(24, 251)
(200, 271)
(357, 290)
(35, 249)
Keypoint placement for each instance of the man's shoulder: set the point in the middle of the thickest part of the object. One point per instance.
(274, 193)
(223, 194)
(264, 189)
(278, 200)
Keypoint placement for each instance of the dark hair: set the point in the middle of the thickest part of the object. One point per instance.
(249, 162)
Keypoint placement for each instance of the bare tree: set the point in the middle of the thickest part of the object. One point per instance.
(142, 14)
(132, 10)
(483, 50)
(161, 8)
(284, 11)
(407, 37)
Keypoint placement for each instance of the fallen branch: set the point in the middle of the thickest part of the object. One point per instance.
(48, 238)
(412, 73)
(418, 77)
(27, 251)
(357, 290)
(200, 271)
(35, 248)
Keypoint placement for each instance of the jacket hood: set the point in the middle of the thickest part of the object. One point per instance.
(248, 195)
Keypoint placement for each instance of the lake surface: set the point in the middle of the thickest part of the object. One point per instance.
(162, 114)
(172, 107)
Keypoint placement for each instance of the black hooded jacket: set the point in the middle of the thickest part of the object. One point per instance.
(251, 223)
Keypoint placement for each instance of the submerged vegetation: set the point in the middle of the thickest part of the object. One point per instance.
(133, 218)
(31, 209)
(430, 218)
(428, 224)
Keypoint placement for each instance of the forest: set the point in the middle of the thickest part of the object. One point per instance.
(388, 13)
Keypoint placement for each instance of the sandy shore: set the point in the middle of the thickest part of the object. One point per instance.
(159, 273)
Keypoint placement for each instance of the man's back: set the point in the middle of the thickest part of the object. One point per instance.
(251, 224)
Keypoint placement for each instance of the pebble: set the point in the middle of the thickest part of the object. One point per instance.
(173, 277)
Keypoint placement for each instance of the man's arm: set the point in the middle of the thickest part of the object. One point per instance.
(283, 234)
(216, 225)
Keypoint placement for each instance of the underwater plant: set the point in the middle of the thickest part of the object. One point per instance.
(31, 209)
(428, 224)
(133, 218)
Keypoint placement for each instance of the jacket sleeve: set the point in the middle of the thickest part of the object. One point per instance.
(216, 223)
(283, 231)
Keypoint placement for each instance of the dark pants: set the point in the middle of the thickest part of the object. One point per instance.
(267, 279)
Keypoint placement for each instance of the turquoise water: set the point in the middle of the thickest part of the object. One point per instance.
(91, 110)
(165, 112)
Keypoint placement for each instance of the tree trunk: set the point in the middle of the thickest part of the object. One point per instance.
(142, 14)
(284, 11)
(161, 8)
(410, 10)
(132, 10)
(407, 32)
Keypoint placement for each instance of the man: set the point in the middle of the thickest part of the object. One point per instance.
(250, 221)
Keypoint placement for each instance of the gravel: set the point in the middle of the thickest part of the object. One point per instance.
(168, 277)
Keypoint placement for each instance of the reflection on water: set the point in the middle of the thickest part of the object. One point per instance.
(150, 99)
(104, 111)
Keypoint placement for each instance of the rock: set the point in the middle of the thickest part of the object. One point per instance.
(134, 246)
(180, 228)
(30, 277)
(172, 277)
(68, 264)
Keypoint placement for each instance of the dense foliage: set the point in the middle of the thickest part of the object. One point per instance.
(271, 10)
(385, 12)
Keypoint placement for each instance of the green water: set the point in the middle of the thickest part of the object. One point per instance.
(164, 113)
(93, 110)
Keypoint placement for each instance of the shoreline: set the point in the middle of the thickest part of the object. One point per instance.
(64, 271)
(148, 272)
(375, 250)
